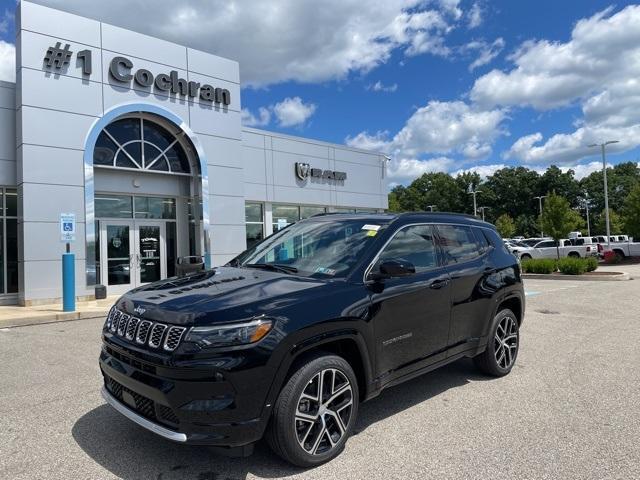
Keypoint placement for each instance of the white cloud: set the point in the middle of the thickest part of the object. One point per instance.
(280, 40)
(585, 169)
(474, 16)
(486, 51)
(290, 112)
(446, 127)
(381, 87)
(599, 69)
(293, 112)
(404, 170)
(602, 50)
(483, 170)
(7, 61)
(261, 120)
(378, 142)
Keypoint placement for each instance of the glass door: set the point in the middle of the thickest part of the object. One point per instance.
(150, 258)
(116, 240)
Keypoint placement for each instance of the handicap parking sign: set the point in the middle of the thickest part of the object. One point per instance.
(67, 227)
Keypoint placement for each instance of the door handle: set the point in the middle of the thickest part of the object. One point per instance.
(437, 284)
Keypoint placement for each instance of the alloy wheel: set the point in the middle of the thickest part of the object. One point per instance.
(323, 411)
(506, 342)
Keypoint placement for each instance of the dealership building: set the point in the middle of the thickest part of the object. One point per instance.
(131, 149)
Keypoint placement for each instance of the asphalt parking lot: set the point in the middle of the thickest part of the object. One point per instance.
(569, 410)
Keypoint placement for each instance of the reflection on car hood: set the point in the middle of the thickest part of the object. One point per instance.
(221, 295)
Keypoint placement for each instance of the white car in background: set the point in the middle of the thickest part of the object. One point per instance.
(520, 250)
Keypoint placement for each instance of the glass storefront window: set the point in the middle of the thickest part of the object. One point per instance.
(11, 199)
(306, 212)
(284, 215)
(155, 207)
(254, 223)
(113, 206)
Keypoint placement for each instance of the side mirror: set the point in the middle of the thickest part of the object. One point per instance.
(392, 269)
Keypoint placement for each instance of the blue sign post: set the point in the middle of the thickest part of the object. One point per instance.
(68, 235)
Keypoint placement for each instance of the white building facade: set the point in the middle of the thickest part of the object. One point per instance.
(141, 141)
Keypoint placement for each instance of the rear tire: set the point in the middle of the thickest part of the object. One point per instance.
(574, 255)
(619, 255)
(502, 348)
(315, 412)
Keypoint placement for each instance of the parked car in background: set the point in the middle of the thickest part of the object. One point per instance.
(519, 249)
(534, 240)
(548, 249)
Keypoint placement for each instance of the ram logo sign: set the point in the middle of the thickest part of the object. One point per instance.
(304, 171)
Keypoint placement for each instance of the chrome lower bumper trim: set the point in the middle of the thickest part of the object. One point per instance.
(143, 422)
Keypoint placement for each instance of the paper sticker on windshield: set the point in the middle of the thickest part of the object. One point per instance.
(373, 228)
(326, 271)
(371, 233)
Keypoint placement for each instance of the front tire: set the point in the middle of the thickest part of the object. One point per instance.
(525, 256)
(315, 412)
(502, 349)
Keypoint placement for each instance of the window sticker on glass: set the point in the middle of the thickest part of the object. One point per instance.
(371, 233)
(369, 227)
(325, 271)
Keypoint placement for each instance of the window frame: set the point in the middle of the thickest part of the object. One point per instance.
(439, 258)
(470, 227)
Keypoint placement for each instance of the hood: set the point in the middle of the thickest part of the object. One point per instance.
(221, 295)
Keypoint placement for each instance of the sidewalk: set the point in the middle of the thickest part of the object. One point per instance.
(14, 316)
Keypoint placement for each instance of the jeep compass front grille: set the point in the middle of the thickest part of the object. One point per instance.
(144, 332)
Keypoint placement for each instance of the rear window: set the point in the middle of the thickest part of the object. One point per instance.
(458, 243)
(482, 240)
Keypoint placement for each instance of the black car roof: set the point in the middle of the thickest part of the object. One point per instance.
(407, 217)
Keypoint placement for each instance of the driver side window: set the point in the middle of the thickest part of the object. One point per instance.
(413, 244)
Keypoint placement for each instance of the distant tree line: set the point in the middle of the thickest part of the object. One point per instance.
(509, 197)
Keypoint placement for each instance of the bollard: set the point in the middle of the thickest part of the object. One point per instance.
(68, 282)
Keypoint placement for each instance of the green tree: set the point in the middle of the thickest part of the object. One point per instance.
(631, 212)
(558, 219)
(563, 183)
(620, 179)
(527, 225)
(616, 225)
(506, 226)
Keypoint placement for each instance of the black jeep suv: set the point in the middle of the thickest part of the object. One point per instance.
(288, 338)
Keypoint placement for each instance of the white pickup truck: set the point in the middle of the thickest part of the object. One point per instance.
(620, 247)
(547, 249)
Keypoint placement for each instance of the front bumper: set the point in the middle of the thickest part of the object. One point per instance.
(140, 420)
(202, 405)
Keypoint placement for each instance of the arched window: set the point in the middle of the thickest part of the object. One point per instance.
(139, 143)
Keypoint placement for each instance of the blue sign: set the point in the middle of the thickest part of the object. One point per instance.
(68, 227)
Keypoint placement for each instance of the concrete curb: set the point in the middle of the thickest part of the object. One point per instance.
(617, 277)
(50, 318)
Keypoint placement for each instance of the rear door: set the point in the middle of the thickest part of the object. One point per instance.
(467, 262)
(410, 314)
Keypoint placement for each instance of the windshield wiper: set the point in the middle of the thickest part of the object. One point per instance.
(272, 266)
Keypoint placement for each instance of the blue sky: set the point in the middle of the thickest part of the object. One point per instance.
(441, 85)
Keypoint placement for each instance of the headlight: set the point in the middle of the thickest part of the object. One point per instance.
(230, 335)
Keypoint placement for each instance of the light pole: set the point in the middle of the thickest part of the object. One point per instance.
(586, 206)
(473, 192)
(482, 209)
(606, 191)
(431, 207)
(539, 198)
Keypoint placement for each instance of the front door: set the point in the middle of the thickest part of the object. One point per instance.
(133, 253)
(411, 314)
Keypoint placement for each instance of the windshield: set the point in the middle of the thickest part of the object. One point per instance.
(323, 249)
